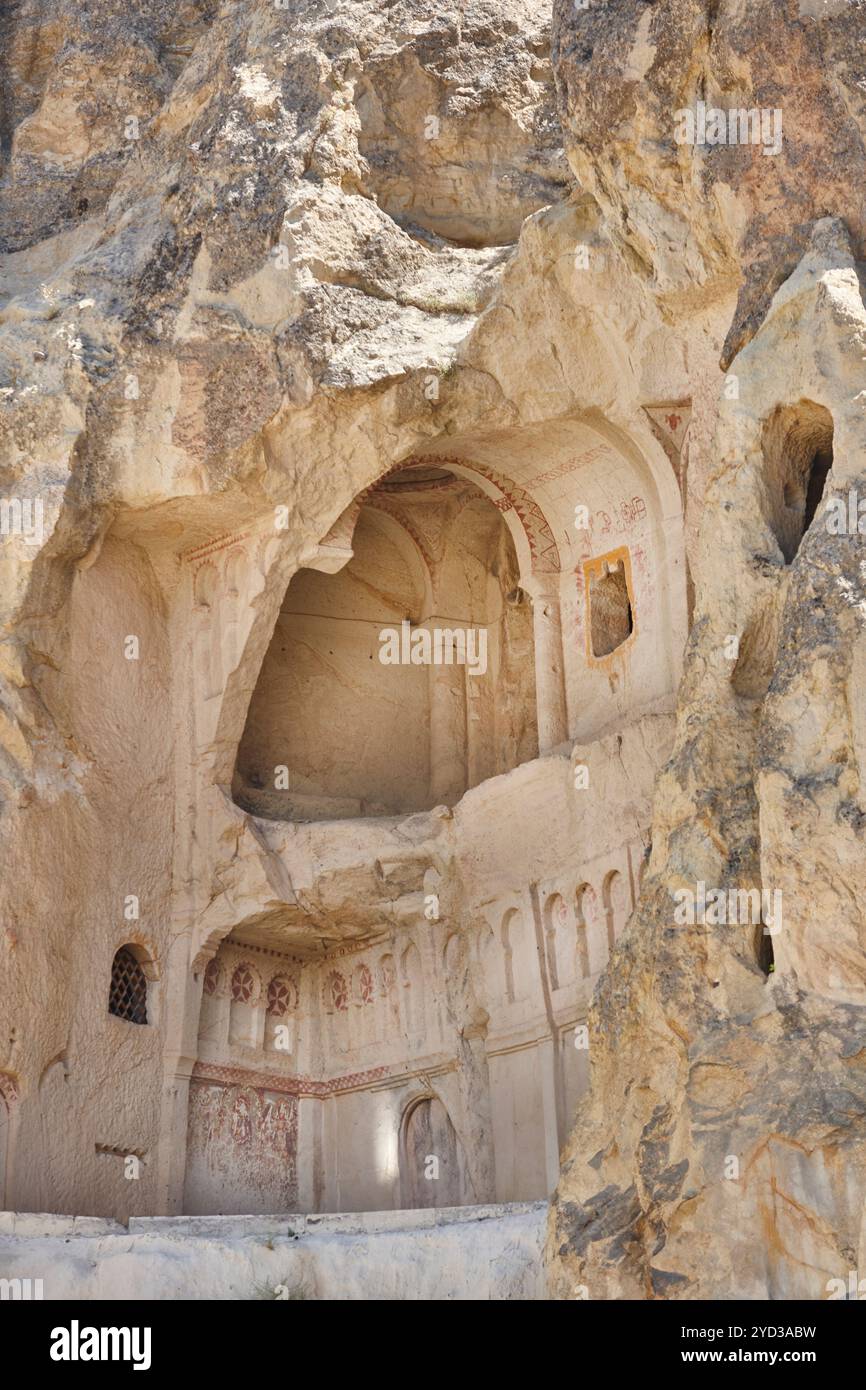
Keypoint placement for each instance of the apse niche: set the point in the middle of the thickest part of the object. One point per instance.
(406, 678)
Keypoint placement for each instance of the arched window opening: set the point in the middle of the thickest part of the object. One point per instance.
(405, 678)
(127, 996)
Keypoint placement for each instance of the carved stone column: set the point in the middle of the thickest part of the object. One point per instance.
(549, 663)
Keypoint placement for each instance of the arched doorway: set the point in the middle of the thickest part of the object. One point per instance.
(430, 1160)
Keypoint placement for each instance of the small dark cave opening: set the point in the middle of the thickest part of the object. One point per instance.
(764, 949)
(798, 457)
(818, 473)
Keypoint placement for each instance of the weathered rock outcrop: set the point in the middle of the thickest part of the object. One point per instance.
(256, 255)
(688, 216)
(722, 1153)
(242, 249)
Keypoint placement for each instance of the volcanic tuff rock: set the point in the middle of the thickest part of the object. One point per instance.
(722, 1151)
(204, 221)
(687, 216)
(239, 241)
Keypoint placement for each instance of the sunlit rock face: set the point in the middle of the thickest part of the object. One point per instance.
(721, 1151)
(654, 99)
(432, 622)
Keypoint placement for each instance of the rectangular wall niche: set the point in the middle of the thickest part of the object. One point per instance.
(610, 620)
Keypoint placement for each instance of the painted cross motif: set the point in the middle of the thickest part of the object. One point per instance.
(281, 997)
(243, 985)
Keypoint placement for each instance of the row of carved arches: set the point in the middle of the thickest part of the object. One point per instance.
(247, 1007)
(376, 999)
(389, 996)
(581, 926)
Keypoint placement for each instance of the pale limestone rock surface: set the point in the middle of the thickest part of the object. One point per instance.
(461, 1253)
(721, 1153)
(256, 257)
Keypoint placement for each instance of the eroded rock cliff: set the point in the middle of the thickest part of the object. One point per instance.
(721, 1154)
(257, 254)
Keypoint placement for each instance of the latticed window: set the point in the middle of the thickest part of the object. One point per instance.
(128, 996)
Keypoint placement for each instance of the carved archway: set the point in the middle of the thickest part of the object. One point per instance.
(431, 1166)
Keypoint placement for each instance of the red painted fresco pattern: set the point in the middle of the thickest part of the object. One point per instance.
(623, 516)
(571, 465)
(243, 984)
(539, 536)
(290, 1085)
(282, 996)
(243, 1140)
(364, 985)
(336, 992)
(212, 977)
